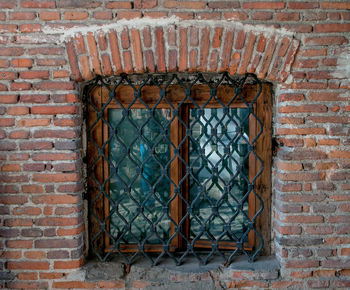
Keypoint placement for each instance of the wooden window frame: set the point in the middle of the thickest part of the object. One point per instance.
(175, 93)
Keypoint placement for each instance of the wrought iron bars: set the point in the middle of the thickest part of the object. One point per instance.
(172, 166)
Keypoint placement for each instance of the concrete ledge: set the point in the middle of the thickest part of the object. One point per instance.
(265, 268)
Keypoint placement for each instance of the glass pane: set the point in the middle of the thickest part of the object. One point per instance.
(219, 158)
(139, 152)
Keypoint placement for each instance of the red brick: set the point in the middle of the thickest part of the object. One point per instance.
(3, 64)
(54, 156)
(304, 219)
(155, 14)
(11, 168)
(20, 134)
(34, 74)
(301, 274)
(184, 15)
(73, 61)
(75, 15)
(34, 145)
(336, 5)
(128, 66)
(303, 5)
(17, 222)
(149, 61)
(193, 5)
(16, 111)
(56, 199)
(223, 4)
(267, 57)
(136, 43)
(30, 28)
(38, 4)
(22, 15)
(205, 44)
(74, 285)
(241, 36)
(32, 188)
(94, 53)
(289, 230)
(35, 255)
(85, 67)
(7, 122)
(111, 284)
(287, 16)
(193, 60)
(19, 244)
(61, 74)
(303, 109)
(8, 75)
(19, 156)
(262, 15)
(13, 51)
(34, 122)
(302, 264)
(7, 4)
(217, 37)
(319, 230)
(140, 284)
(103, 15)
(325, 96)
(56, 177)
(8, 99)
(161, 66)
(291, 97)
(21, 86)
(247, 54)
(28, 265)
(49, 15)
(119, 5)
(66, 122)
(183, 50)
(128, 15)
(53, 110)
(236, 57)
(326, 40)
(213, 61)
(11, 254)
(301, 131)
(264, 5)
(27, 276)
(145, 4)
(172, 60)
(115, 51)
(29, 210)
(52, 61)
(208, 16)
(22, 62)
(339, 154)
(226, 51)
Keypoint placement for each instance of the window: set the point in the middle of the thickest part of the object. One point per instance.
(178, 165)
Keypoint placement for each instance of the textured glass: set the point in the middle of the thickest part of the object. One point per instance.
(219, 158)
(138, 185)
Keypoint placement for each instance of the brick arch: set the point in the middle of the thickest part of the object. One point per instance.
(141, 46)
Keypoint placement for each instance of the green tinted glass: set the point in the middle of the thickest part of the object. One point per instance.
(139, 185)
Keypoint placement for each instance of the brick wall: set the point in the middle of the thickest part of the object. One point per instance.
(47, 48)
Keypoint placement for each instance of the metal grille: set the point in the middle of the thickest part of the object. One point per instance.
(170, 167)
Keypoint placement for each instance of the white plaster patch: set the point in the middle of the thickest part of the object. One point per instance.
(343, 65)
(164, 22)
(76, 275)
